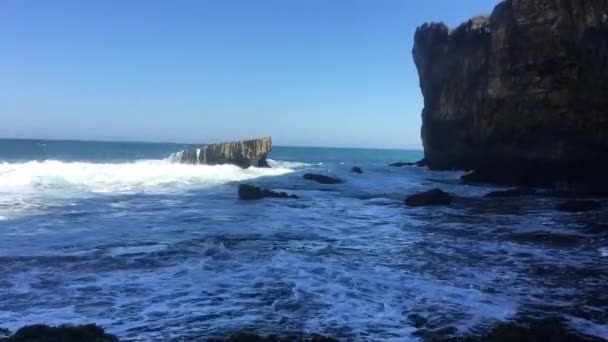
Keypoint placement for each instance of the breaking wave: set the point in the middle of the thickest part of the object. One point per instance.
(21, 183)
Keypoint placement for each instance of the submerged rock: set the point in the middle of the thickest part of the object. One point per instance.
(250, 192)
(243, 153)
(427, 198)
(322, 178)
(64, 333)
(519, 96)
(356, 169)
(516, 192)
(579, 205)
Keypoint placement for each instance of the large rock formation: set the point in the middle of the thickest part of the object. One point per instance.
(243, 153)
(519, 96)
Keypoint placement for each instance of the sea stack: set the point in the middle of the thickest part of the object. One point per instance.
(519, 96)
(244, 153)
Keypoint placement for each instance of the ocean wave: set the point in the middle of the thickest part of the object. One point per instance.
(290, 164)
(37, 181)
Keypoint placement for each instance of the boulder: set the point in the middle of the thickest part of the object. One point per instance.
(243, 153)
(518, 96)
(45, 333)
(322, 178)
(250, 192)
(579, 205)
(427, 198)
(356, 169)
(516, 192)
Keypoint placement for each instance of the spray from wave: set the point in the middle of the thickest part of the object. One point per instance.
(34, 183)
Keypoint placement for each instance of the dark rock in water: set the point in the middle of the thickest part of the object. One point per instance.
(356, 169)
(252, 337)
(322, 178)
(517, 192)
(421, 162)
(64, 333)
(243, 153)
(427, 198)
(519, 96)
(250, 192)
(545, 330)
(576, 206)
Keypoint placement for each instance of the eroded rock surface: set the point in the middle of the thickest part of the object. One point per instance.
(519, 95)
(243, 153)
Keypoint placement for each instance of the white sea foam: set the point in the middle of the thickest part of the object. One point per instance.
(22, 183)
(288, 164)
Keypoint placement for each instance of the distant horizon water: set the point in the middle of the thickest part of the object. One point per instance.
(274, 144)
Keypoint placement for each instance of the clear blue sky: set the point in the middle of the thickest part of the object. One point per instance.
(306, 72)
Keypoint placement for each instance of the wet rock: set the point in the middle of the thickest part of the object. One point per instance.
(579, 205)
(432, 197)
(519, 95)
(356, 169)
(64, 333)
(244, 153)
(322, 178)
(421, 162)
(545, 330)
(249, 192)
(516, 192)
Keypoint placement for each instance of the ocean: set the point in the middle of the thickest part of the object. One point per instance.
(119, 235)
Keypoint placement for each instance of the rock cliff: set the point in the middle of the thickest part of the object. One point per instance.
(243, 153)
(520, 96)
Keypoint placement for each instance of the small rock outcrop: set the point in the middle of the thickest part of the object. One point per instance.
(249, 192)
(432, 197)
(519, 96)
(579, 205)
(356, 169)
(67, 333)
(243, 153)
(402, 164)
(517, 192)
(322, 178)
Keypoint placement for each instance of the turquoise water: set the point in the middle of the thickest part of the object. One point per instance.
(117, 234)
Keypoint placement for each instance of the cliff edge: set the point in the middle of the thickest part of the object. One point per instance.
(520, 96)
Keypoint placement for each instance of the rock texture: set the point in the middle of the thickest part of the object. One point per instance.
(519, 96)
(427, 198)
(322, 178)
(243, 153)
(249, 192)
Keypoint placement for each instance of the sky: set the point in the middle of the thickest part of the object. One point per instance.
(306, 72)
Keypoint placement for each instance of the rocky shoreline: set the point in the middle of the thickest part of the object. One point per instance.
(549, 329)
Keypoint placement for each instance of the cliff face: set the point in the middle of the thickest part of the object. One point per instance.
(520, 96)
(243, 153)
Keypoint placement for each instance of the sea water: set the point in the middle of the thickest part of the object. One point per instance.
(119, 235)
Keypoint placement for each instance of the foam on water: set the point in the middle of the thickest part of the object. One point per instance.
(21, 184)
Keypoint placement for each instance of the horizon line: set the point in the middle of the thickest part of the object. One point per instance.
(185, 143)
